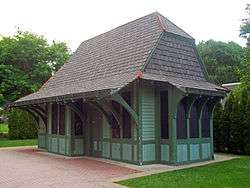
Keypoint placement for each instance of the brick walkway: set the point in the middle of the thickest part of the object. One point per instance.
(27, 167)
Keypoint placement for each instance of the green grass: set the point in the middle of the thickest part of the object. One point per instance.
(227, 174)
(4, 142)
(4, 128)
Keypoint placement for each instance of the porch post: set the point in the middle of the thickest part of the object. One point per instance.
(69, 131)
(175, 97)
(139, 124)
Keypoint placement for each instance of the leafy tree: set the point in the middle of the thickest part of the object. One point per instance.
(27, 60)
(245, 27)
(245, 32)
(222, 60)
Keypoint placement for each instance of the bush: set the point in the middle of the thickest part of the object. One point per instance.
(22, 125)
(232, 124)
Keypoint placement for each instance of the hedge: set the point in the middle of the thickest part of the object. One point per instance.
(232, 123)
(22, 125)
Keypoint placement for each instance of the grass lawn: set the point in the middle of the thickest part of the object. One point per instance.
(4, 142)
(227, 174)
(4, 128)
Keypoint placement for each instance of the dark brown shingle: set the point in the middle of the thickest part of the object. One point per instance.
(110, 60)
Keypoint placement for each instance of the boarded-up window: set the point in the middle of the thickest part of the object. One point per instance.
(194, 121)
(181, 122)
(62, 119)
(164, 114)
(126, 118)
(54, 118)
(205, 123)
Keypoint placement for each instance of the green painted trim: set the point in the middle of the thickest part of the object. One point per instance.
(201, 62)
(175, 97)
(139, 130)
(118, 98)
(152, 52)
(157, 125)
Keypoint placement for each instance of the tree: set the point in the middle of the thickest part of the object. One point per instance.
(27, 60)
(222, 60)
(245, 27)
(245, 33)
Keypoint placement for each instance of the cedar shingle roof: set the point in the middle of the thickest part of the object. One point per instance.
(110, 60)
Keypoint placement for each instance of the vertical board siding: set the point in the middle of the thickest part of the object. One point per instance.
(135, 153)
(205, 148)
(41, 141)
(78, 146)
(164, 152)
(54, 145)
(68, 143)
(148, 153)
(194, 151)
(127, 152)
(62, 149)
(148, 113)
(182, 153)
(106, 149)
(116, 150)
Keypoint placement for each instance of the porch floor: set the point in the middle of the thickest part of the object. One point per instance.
(30, 167)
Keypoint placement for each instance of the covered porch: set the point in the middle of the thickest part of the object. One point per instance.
(145, 122)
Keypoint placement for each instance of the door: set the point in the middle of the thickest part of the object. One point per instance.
(95, 133)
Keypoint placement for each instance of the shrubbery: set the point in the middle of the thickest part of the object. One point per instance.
(232, 123)
(22, 125)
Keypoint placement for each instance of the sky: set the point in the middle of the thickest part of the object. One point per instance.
(73, 21)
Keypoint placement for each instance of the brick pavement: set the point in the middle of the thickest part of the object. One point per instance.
(29, 167)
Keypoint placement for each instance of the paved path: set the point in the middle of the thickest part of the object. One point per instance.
(28, 167)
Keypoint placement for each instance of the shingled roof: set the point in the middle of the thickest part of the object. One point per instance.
(151, 44)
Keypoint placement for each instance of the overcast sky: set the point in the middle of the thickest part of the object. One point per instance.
(73, 21)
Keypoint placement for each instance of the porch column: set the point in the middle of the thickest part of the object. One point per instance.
(175, 96)
(211, 105)
(69, 135)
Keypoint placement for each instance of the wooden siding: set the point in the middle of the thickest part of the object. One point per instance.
(182, 153)
(194, 151)
(165, 152)
(148, 152)
(148, 113)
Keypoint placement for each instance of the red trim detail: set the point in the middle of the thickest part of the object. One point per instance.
(138, 74)
(160, 23)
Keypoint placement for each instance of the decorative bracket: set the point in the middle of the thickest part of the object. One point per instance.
(118, 98)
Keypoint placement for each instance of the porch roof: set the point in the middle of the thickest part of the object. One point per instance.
(112, 60)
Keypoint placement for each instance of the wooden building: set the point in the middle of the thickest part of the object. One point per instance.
(138, 93)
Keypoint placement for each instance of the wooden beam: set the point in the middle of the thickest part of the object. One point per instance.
(119, 99)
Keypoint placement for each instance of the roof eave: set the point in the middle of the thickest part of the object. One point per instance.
(86, 96)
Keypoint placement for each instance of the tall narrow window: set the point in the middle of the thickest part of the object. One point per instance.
(62, 119)
(164, 114)
(126, 118)
(181, 122)
(194, 121)
(54, 118)
(205, 123)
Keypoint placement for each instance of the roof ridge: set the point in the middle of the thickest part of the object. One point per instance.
(160, 22)
(161, 16)
(154, 13)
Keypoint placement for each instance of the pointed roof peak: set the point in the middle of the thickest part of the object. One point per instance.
(168, 26)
